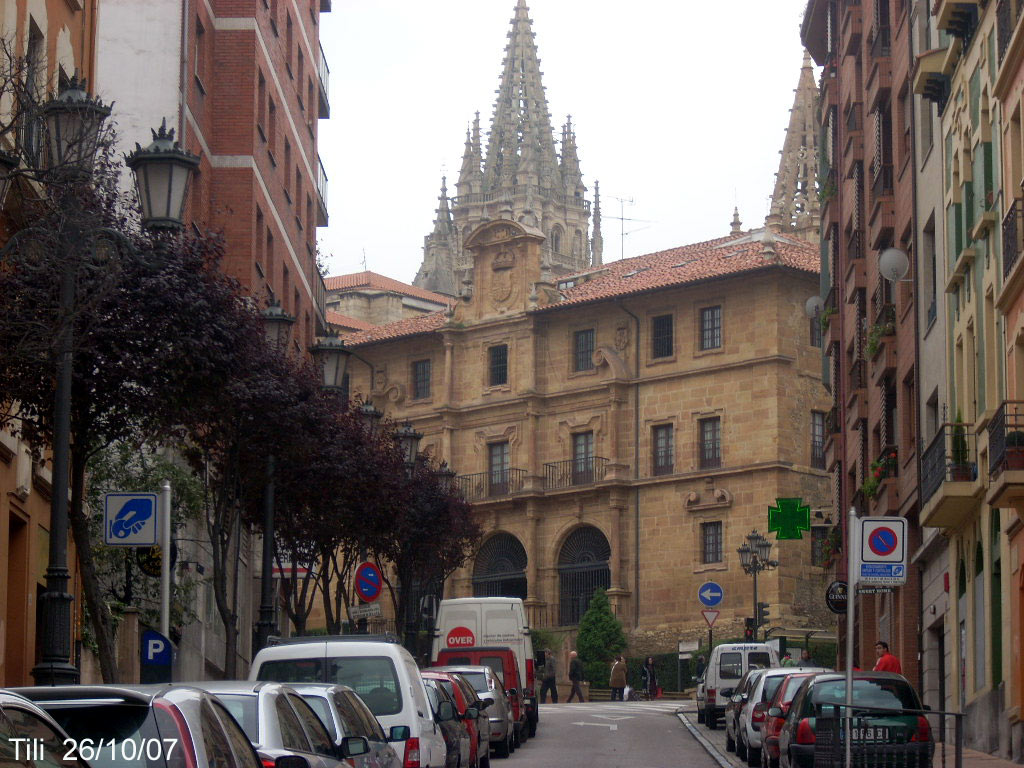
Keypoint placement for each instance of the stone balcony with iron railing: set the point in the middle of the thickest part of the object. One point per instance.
(559, 475)
(949, 476)
(1006, 455)
(483, 486)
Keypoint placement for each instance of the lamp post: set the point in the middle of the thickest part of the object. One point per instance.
(754, 557)
(409, 441)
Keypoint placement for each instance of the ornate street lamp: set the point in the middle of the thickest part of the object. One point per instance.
(370, 416)
(409, 441)
(162, 174)
(764, 548)
(754, 557)
(446, 475)
(332, 356)
(745, 553)
(277, 324)
(73, 123)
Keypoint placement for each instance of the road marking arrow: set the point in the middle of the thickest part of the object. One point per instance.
(609, 726)
(614, 717)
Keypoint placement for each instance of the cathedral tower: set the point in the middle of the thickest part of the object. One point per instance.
(522, 177)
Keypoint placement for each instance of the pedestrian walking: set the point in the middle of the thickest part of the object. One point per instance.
(805, 658)
(575, 677)
(617, 681)
(886, 661)
(787, 660)
(548, 678)
(649, 678)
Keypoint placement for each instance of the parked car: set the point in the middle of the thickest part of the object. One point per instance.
(736, 704)
(889, 720)
(345, 714)
(376, 667)
(21, 719)
(456, 735)
(468, 703)
(172, 725)
(278, 721)
(490, 621)
(752, 717)
(505, 664)
(726, 666)
(499, 709)
(775, 715)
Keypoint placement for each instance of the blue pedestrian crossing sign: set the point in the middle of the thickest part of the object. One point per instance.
(129, 519)
(710, 594)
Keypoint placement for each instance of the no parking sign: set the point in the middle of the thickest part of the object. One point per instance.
(883, 551)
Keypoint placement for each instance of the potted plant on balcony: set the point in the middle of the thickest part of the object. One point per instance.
(961, 469)
(871, 482)
(1015, 450)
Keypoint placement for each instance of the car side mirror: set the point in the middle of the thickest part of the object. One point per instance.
(926, 707)
(291, 761)
(512, 692)
(445, 712)
(776, 712)
(353, 746)
(398, 733)
(486, 702)
(472, 713)
(727, 691)
(744, 696)
(735, 699)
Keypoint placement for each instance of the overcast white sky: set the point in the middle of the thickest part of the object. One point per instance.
(680, 106)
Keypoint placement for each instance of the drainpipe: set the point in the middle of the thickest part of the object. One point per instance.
(636, 468)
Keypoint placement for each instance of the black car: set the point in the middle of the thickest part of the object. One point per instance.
(888, 727)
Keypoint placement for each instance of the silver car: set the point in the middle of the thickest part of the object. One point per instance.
(499, 708)
(278, 721)
(345, 714)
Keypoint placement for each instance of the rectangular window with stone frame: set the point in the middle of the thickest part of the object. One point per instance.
(497, 365)
(583, 350)
(497, 468)
(711, 542)
(663, 459)
(710, 442)
(817, 439)
(421, 379)
(661, 336)
(582, 458)
(711, 327)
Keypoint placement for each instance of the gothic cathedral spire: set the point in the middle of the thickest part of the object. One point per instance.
(795, 209)
(522, 175)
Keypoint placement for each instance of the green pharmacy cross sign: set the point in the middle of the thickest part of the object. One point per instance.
(789, 518)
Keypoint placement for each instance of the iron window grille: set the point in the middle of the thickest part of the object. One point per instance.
(661, 336)
(819, 535)
(711, 327)
(711, 542)
(815, 332)
(710, 443)
(498, 365)
(664, 460)
(582, 568)
(421, 379)
(500, 568)
(583, 348)
(817, 440)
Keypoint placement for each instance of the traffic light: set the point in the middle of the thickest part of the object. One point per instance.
(762, 614)
(748, 629)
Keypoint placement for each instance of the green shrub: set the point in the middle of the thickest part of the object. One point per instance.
(600, 636)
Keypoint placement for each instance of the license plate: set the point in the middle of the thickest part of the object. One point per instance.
(867, 733)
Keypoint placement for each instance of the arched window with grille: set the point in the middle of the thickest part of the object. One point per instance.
(500, 568)
(582, 568)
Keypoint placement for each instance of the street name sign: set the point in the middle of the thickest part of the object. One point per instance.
(364, 611)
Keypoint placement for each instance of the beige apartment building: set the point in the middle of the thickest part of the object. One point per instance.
(624, 427)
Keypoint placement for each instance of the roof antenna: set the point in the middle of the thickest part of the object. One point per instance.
(622, 219)
(364, 260)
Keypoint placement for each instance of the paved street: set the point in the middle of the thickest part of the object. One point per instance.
(636, 734)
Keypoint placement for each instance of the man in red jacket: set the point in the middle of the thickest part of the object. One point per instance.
(886, 661)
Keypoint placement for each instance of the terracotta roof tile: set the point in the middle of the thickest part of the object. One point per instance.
(409, 326)
(383, 283)
(347, 321)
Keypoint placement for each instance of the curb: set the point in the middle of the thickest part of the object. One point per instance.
(710, 748)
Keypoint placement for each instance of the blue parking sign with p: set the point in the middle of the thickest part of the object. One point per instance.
(130, 519)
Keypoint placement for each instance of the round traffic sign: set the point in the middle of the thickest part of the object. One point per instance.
(369, 582)
(710, 594)
(836, 596)
(460, 637)
(883, 541)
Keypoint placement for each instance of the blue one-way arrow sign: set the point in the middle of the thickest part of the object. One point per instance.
(710, 594)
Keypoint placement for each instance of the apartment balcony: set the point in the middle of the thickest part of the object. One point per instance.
(852, 29)
(324, 78)
(1013, 273)
(959, 18)
(883, 361)
(491, 485)
(574, 472)
(883, 475)
(321, 193)
(949, 473)
(1006, 456)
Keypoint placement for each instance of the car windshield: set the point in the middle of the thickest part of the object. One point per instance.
(730, 665)
(373, 677)
(323, 711)
(131, 727)
(245, 709)
(884, 693)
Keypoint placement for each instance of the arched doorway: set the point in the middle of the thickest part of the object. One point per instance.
(500, 568)
(582, 568)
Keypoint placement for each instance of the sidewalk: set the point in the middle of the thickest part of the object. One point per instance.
(975, 759)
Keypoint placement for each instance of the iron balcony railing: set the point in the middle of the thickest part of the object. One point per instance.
(323, 70)
(566, 474)
(1012, 232)
(833, 424)
(952, 456)
(882, 184)
(1006, 437)
(880, 43)
(1004, 25)
(887, 464)
(488, 485)
(858, 374)
(818, 454)
(321, 180)
(854, 249)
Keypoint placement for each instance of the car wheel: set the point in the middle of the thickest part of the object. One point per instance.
(485, 761)
(512, 742)
(753, 757)
(502, 748)
(710, 720)
(533, 726)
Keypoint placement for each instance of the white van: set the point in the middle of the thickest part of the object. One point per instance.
(380, 670)
(466, 622)
(726, 666)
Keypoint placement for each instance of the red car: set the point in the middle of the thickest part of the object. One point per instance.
(465, 698)
(773, 723)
